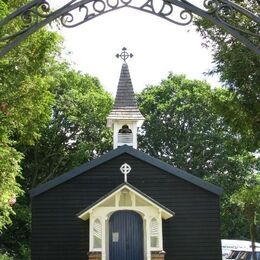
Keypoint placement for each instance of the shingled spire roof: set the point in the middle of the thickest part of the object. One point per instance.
(125, 94)
(125, 106)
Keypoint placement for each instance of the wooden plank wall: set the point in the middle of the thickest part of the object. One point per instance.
(192, 234)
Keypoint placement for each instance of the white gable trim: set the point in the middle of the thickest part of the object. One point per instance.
(164, 213)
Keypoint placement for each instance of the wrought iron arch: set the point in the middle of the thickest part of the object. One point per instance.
(222, 13)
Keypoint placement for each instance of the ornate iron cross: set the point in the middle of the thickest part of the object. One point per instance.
(124, 55)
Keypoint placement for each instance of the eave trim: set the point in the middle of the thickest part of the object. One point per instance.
(135, 153)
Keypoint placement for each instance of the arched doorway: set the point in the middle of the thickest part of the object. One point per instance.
(126, 236)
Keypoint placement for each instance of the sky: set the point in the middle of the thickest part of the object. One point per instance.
(158, 46)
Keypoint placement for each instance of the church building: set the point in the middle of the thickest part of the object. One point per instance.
(126, 205)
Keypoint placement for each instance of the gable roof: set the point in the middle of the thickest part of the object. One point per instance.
(135, 153)
(166, 213)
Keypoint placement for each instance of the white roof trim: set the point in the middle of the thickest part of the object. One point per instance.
(165, 213)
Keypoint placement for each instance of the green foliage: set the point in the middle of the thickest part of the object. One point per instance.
(239, 71)
(24, 81)
(238, 103)
(77, 130)
(25, 107)
(17, 237)
(52, 117)
(247, 199)
(76, 133)
(5, 256)
(25, 101)
(194, 137)
(9, 188)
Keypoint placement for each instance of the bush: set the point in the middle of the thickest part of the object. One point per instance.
(5, 256)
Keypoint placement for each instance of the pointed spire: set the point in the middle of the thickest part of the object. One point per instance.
(125, 106)
(125, 96)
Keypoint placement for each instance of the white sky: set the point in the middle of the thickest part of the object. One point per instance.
(158, 47)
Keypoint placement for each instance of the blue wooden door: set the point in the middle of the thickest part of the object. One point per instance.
(126, 236)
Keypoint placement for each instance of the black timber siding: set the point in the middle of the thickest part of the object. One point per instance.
(192, 234)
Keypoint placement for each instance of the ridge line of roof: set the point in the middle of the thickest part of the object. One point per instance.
(135, 153)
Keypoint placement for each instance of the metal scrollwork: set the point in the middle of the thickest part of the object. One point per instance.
(30, 16)
(33, 15)
(38, 13)
(43, 9)
(99, 7)
(166, 12)
(211, 5)
(231, 14)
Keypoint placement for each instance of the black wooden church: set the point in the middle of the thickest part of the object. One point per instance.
(126, 205)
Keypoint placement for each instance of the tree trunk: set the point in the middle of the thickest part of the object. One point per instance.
(253, 236)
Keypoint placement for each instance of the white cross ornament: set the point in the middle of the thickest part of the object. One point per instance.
(125, 169)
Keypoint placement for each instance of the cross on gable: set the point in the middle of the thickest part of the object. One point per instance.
(125, 169)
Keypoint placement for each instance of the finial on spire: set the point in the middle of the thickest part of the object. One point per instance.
(124, 55)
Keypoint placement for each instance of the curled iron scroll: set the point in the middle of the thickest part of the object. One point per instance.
(229, 14)
(98, 7)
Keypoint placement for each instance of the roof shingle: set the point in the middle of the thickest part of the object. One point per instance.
(125, 96)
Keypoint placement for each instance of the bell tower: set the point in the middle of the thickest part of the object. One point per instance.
(125, 117)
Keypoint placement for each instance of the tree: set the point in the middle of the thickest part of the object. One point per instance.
(77, 130)
(195, 138)
(10, 170)
(25, 102)
(239, 71)
(247, 199)
(76, 133)
(51, 117)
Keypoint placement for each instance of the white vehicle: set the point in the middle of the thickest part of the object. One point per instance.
(247, 255)
(236, 246)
